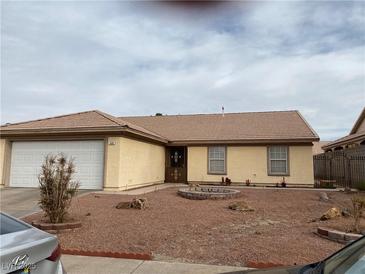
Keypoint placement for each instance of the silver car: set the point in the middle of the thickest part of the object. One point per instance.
(26, 249)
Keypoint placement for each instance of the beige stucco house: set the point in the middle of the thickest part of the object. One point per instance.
(354, 139)
(118, 153)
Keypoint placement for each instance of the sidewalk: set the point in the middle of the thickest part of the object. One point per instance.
(99, 265)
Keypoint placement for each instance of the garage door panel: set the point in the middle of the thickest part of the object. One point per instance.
(27, 158)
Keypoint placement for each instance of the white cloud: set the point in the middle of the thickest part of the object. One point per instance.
(139, 58)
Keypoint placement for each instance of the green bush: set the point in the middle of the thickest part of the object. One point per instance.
(56, 187)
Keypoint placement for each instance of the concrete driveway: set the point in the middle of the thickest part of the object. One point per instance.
(19, 201)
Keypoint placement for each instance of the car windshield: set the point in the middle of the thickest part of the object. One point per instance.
(9, 225)
(350, 260)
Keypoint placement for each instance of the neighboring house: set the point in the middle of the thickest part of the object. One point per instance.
(317, 147)
(114, 153)
(354, 139)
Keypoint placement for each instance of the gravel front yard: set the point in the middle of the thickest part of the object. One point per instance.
(173, 228)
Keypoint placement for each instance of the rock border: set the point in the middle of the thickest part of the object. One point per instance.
(337, 236)
(54, 228)
(108, 254)
(210, 193)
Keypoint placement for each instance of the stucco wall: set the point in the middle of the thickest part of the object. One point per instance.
(131, 163)
(250, 162)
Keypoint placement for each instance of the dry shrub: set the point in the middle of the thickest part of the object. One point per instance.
(358, 206)
(56, 187)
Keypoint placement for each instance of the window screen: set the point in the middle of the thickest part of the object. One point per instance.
(278, 160)
(217, 160)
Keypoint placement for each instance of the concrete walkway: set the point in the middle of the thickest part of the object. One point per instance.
(99, 265)
(143, 190)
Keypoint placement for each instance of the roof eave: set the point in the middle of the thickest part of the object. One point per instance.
(340, 142)
(86, 130)
(246, 141)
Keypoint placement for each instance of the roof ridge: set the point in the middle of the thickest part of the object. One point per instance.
(128, 124)
(109, 117)
(139, 126)
(198, 114)
(47, 118)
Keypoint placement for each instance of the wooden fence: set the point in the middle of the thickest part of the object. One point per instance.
(346, 167)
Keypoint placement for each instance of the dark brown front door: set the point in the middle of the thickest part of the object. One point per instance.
(176, 159)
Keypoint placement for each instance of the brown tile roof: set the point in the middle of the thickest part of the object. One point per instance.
(87, 120)
(275, 125)
(75, 120)
(239, 127)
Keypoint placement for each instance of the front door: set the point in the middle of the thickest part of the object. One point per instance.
(176, 159)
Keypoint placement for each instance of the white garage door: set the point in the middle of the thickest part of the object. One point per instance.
(27, 158)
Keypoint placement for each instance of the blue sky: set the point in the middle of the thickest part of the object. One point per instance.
(140, 58)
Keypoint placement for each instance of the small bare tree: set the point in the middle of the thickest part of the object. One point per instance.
(358, 206)
(57, 187)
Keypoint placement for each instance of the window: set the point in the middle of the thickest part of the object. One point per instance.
(278, 160)
(10, 225)
(217, 160)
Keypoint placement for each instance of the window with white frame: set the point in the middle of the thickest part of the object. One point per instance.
(217, 160)
(278, 160)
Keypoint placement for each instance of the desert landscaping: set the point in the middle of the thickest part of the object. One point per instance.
(279, 229)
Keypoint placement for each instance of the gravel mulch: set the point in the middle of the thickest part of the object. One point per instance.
(279, 231)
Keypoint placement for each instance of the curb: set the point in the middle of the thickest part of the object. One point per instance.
(119, 255)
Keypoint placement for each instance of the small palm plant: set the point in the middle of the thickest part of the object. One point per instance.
(56, 187)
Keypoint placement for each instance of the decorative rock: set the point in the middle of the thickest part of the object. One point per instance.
(240, 206)
(123, 205)
(345, 212)
(137, 203)
(323, 197)
(331, 214)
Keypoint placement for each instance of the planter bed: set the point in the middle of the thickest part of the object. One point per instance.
(337, 236)
(56, 227)
(279, 231)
